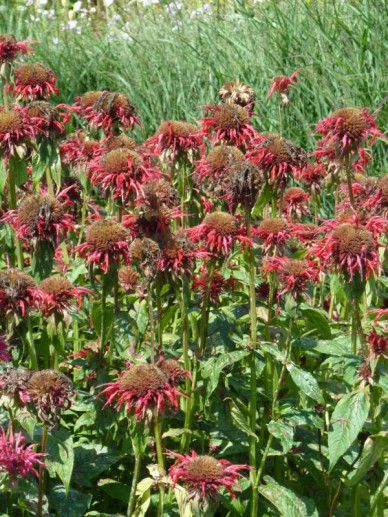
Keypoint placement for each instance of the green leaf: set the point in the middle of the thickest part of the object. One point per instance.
(374, 447)
(286, 501)
(212, 368)
(240, 421)
(90, 461)
(115, 489)
(42, 259)
(305, 382)
(346, 422)
(60, 458)
(3, 176)
(263, 198)
(73, 504)
(316, 319)
(340, 346)
(283, 432)
(96, 314)
(19, 168)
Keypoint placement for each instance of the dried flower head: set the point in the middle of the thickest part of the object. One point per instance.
(118, 142)
(229, 123)
(34, 81)
(106, 241)
(235, 92)
(146, 253)
(295, 203)
(5, 354)
(50, 392)
(13, 384)
(241, 185)
(129, 278)
(46, 117)
(345, 131)
(218, 285)
(295, 275)
(59, 294)
(10, 47)
(140, 388)
(173, 370)
(365, 372)
(279, 158)
(274, 232)
(174, 136)
(122, 172)
(205, 476)
(282, 83)
(16, 128)
(18, 292)
(178, 253)
(17, 458)
(41, 216)
(216, 164)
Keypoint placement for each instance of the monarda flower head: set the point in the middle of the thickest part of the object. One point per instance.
(235, 92)
(204, 476)
(218, 233)
(305, 233)
(178, 253)
(122, 172)
(59, 294)
(17, 458)
(145, 252)
(229, 123)
(34, 81)
(77, 150)
(281, 84)
(42, 216)
(106, 241)
(128, 278)
(175, 137)
(10, 47)
(295, 203)
(349, 248)
(216, 164)
(312, 176)
(16, 128)
(117, 142)
(274, 234)
(13, 384)
(241, 186)
(46, 117)
(378, 343)
(106, 110)
(279, 158)
(173, 370)
(140, 388)
(18, 292)
(50, 392)
(295, 275)
(378, 201)
(218, 285)
(345, 131)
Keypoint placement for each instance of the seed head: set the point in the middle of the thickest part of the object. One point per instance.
(10, 121)
(89, 99)
(353, 241)
(141, 378)
(222, 222)
(103, 235)
(56, 285)
(118, 142)
(13, 384)
(231, 116)
(222, 156)
(172, 369)
(129, 278)
(178, 128)
(237, 93)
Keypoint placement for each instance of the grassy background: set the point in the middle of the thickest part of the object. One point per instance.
(171, 64)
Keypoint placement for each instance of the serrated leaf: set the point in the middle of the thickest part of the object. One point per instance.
(305, 382)
(283, 432)
(90, 461)
(212, 368)
(115, 489)
(317, 320)
(340, 346)
(60, 458)
(73, 504)
(287, 502)
(346, 422)
(373, 449)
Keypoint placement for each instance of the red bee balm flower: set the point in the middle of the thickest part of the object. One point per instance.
(77, 150)
(58, 294)
(217, 163)
(106, 109)
(279, 158)
(176, 136)
(378, 343)
(350, 248)
(105, 243)
(312, 175)
(122, 171)
(16, 127)
(18, 292)
(295, 275)
(142, 387)
(178, 253)
(218, 285)
(17, 458)
(10, 48)
(282, 83)
(34, 81)
(229, 123)
(219, 231)
(273, 232)
(294, 203)
(204, 476)
(46, 117)
(41, 216)
(346, 130)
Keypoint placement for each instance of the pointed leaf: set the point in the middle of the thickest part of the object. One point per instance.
(286, 501)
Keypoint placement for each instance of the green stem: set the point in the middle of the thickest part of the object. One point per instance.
(49, 181)
(135, 479)
(39, 511)
(12, 206)
(354, 325)
(379, 494)
(348, 173)
(104, 294)
(152, 323)
(84, 209)
(160, 458)
(158, 288)
(31, 345)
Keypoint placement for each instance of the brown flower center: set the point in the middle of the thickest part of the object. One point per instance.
(10, 121)
(33, 74)
(295, 267)
(231, 116)
(177, 127)
(14, 282)
(222, 222)
(273, 225)
(48, 382)
(144, 249)
(117, 161)
(117, 142)
(56, 285)
(141, 378)
(88, 99)
(37, 206)
(204, 469)
(223, 156)
(353, 121)
(353, 241)
(102, 235)
(172, 369)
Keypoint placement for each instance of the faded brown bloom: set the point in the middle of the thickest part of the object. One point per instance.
(238, 93)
